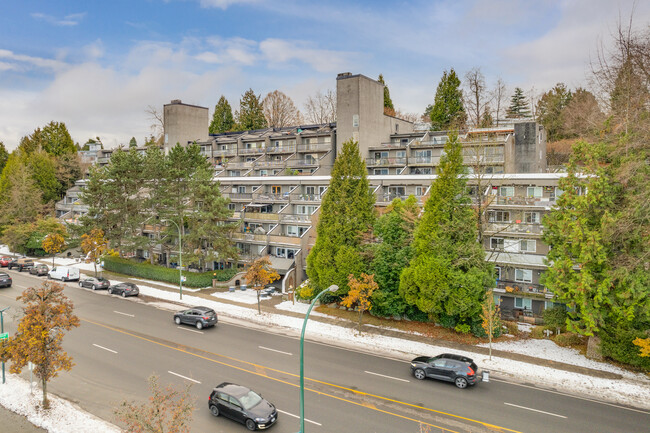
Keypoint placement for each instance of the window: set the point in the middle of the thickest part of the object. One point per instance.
(310, 190)
(355, 121)
(264, 172)
(234, 401)
(524, 303)
(241, 189)
(401, 154)
(280, 252)
(507, 191)
(292, 230)
(524, 275)
(381, 155)
(499, 216)
(276, 189)
(380, 171)
(532, 218)
(496, 243)
(528, 245)
(497, 272)
(231, 206)
(534, 192)
(419, 191)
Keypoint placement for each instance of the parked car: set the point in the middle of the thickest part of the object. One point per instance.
(39, 270)
(242, 404)
(64, 273)
(5, 260)
(95, 283)
(124, 289)
(201, 317)
(5, 279)
(22, 263)
(451, 368)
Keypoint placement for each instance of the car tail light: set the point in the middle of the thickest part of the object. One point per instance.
(470, 371)
(206, 318)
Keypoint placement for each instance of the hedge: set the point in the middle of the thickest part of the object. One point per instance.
(161, 273)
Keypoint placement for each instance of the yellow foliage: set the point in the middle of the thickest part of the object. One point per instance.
(53, 243)
(360, 293)
(644, 344)
(260, 273)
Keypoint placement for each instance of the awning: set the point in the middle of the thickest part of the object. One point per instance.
(281, 264)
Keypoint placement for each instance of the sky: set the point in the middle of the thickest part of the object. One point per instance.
(98, 65)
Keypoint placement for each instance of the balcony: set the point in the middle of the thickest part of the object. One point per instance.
(224, 152)
(385, 162)
(512, 227)
(520, 287)
(435, 142)
(251, 150)
(266, 197)
(290, 148)
(424, 160)
(239, 165)
(306, 197)
(545, 202)
(299, 163)
(249, 237)
(315, 147)
(483, 159)
(284, 240)
(388, 198)
(261, 216)
(240, 195)
(270, 164)
(391, 145)
(292, 218)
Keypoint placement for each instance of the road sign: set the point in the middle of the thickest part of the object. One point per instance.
(4, 336)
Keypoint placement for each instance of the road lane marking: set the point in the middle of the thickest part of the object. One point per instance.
(275, 350)
(388, 377)
(184, 377)
(296, 416)
(535, 410)
(191, 330)
(124, 314)
(105, 348)
(319, 392)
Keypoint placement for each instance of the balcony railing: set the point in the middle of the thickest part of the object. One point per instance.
(251, 237)
(293, 218)
(391, 145)
(245, 151)
(483, 159)
(524, 201)
(424, 160)
(241, 195)
(272, 197)
(282, 239)
(515, 287)
(429, 143)
(305, 197)
(270, 164)
(388, 198)
(290, 148)
(315, 147)
(262, 216)
(376, 162)
(513, 227)
(303, 163)
(224, 152)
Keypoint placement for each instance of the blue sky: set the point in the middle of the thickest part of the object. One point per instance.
(97, 65)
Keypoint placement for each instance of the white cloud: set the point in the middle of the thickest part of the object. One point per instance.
(94, 50)
(224, 4)
(282, 51)
(24, 62)
(66, 21)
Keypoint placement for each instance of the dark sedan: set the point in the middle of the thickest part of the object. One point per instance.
(201, 317)
(95, 283)
(39, 270)
(451, 368)
(124, 290)
(5, 279)
(243, 405)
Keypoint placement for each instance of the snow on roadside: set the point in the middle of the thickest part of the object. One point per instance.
(62, 417)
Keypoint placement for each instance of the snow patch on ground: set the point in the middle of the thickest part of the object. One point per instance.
(62, 417)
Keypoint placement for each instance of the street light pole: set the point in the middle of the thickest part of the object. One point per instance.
(2, 330)
(332, 288)
(180, 256)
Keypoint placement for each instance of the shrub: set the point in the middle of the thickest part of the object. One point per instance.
(512, 327)
(568, 339)
(447, 321)
(537, 332)
(463, 328)
(478, 330)
(305, 291)
(618, 345)
(555, 317)
(161, 273)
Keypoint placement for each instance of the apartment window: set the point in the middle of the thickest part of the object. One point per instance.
(419, 191)
(499, 216)
(234, 173)
(507, 191)
(276, 189)
(321, 190)
(524, 303)
(532, 218)
(310, 190)
(401, 154)
(241, 189)
(280, 252)
(231, 206)
(292, 230)
(264, 173)
(524, 275)
(528, 245)
(497, 272)
(496, 243)
(396, 191)
(380, 171)
(534, 192)
(381, 155)
(355, 121)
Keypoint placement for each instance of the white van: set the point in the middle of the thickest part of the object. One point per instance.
(64, 273)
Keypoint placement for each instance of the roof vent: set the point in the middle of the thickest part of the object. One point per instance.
(176, 101)
(344, 74)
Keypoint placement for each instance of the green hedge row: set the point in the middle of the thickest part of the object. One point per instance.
(161, 273)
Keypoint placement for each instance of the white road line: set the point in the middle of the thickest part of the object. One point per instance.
(184, 377)
(124, 314)
(275, 350)
(191, 330)
(535, 410)
(388, 377)
(296, 416)
(102, 347)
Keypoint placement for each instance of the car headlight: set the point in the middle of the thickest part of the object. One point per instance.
(413, 364)
(260, 419)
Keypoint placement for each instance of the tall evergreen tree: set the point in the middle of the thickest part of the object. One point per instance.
(251, 114)
(222, 120)
(448, 111)
(518, 108)
(550, 111)
(388, 103)
(448, 275)
(4, 156)
(347, 212)
(133, 142)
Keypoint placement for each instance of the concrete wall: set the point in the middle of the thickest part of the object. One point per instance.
(184, 123)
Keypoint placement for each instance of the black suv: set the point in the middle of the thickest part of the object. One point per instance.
(201, 317)
(241, 404)
(451, 368)
(5, 279)
(22, 263)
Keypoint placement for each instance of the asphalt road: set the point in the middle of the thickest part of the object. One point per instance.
(121, 342)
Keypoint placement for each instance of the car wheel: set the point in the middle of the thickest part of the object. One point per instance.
(250, 425)
(81, 284)
(214, 410)
(177, 320)
(94, 287)
(199, 325)
(461, 382)
(124, 294)
(419, 374)
(109, 291)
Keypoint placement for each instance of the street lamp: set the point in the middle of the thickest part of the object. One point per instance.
(180, 256)
(2, 330)
(332, 288)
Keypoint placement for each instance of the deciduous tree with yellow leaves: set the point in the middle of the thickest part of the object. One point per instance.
(52, 244)
(360, 293)
(94, 244)
(260, 273)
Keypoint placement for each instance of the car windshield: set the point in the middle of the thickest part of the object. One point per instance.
(102, 280)
(250, 400)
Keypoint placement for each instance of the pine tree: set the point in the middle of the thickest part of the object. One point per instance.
(250, 115)
(347, 212)
(486, 119)
(550, 111)
(448, 111)
(222, 120)
(518, 108)
(4, 156)
(448, 276)
(133, 142)
(388, 103)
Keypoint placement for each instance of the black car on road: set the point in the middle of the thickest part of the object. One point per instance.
(451, 368)
(5, 279)
(39, 270)
(201, 317)
(124, 290)
(241, 404)
(95, 283)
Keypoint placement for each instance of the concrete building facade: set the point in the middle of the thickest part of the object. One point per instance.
(184, 123)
